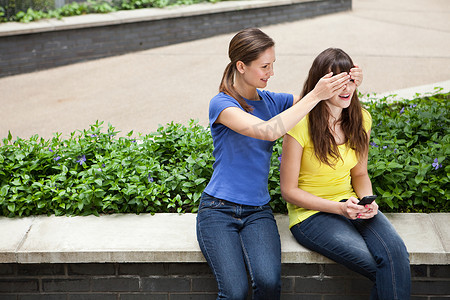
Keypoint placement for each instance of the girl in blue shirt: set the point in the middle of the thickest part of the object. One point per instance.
(236, 229)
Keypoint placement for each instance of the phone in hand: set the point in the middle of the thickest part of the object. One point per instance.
(367, 200)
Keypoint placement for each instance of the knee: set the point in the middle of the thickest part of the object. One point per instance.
(396, 253)
(236, 291)
(267, 286)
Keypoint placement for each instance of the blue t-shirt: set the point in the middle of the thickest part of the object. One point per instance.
(242, 163)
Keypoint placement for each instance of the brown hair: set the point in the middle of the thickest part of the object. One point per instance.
(246, 46)
(325, 147)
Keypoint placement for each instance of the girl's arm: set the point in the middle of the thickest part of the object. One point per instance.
(249, 125)
(289, 171)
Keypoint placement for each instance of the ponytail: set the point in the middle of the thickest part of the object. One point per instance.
(226, 86)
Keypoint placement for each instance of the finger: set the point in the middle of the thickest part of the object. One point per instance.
(329, 75)
(339, 76)
(341, 80)
(340, 87)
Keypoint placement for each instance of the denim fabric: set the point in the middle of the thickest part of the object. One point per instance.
(370, 247)
(235, 238)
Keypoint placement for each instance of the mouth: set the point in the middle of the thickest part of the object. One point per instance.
(345, 96)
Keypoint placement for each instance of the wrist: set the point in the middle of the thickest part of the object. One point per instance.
(341, 208)
(314, 97)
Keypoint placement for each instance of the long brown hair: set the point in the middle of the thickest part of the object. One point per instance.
(246, 46)
(325, 147)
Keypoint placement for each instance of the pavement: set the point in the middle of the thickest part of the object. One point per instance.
(400, 45)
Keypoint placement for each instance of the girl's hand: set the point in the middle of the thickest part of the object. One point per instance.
(351, 210)
(356, 75)
(329, 85)
(371, 211)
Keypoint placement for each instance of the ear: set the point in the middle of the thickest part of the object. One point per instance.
(240, 67)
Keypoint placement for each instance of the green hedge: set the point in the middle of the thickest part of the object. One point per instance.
(95, 172)
(33, 10)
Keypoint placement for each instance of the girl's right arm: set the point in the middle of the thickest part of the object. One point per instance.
(289, 172)
(249, 125)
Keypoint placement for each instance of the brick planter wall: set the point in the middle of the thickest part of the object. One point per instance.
(45, 49)
(182, 281)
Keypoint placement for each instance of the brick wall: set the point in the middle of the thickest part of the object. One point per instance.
(182, 281)
(37, 51)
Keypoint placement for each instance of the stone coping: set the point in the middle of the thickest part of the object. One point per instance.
(129, 238)
(137, 15)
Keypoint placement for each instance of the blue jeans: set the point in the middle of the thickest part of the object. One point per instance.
(235, 238)
(370, 247)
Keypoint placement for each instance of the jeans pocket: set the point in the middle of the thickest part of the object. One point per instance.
(209, 202)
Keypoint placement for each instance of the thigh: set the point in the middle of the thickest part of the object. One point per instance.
(335, 237)
(380, 235)
(261, 244)
(219, 240)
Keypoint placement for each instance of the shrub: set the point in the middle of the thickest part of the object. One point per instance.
(95, 172)
(34, 10)
(408, 156)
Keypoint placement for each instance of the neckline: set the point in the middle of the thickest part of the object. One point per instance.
(260, 97)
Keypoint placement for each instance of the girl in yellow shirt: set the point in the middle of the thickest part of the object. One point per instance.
(324, 172)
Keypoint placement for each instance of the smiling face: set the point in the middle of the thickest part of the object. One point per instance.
(343, 100)
(257, 73)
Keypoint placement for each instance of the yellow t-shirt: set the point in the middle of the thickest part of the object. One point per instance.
(318, 178)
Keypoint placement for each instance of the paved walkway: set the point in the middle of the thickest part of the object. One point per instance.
(399, 44)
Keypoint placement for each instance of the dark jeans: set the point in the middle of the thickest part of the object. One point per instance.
(234, 238)
(370, 247)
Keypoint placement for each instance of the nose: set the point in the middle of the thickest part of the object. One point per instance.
(271, 73)
(346, 88)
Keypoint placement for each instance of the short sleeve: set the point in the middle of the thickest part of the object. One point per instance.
(300, 132)
(367, 120)
(218, 103)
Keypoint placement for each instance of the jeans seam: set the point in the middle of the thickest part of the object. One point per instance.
(391, 262)
(210, 260)
(250, 270)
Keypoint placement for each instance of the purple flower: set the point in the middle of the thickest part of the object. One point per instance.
(436, 164)
(50, 149)
(395, 150)
(94, 135)
(373, 144)
(81, 159)
(103, 165)
(150, 178)
(384, 147)
(99, 169)
(279, 159)
(413, 105)
(57, 158)
(402, 110)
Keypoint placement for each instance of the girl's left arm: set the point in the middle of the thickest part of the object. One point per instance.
(362, 185)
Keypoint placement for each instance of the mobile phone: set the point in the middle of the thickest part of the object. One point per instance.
(367, 200)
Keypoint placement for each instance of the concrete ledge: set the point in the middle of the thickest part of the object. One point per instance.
(137, 15)
(166, 238)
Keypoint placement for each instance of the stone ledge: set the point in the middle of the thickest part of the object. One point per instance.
(137, 15)
(172, 238)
